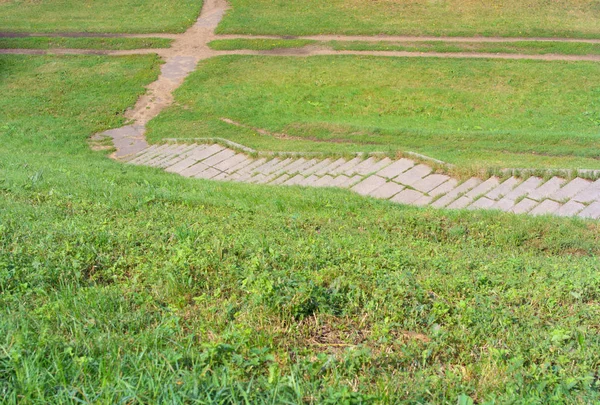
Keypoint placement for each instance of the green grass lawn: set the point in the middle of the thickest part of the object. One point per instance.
(123, 284)
(520, 47)
(83, 43)
(98, 16)
(472, 113)
(512, 18)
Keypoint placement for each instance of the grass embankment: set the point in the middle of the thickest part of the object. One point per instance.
(98, 16)
(473, 113)
(84, 43)
(512, 18)
(520, 47)
(126, 284)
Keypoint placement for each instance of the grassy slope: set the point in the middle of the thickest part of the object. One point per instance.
(126, 284)
(98, 16)
(522, 47)
(467, 112)
(83, 43)
(563, 18)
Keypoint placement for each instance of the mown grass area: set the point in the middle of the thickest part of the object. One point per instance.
(472, 113)
(98, 16)
(83, 43)
(520, 47)
(512, 18)
(126, 284)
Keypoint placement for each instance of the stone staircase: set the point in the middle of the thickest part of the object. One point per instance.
(402, 181)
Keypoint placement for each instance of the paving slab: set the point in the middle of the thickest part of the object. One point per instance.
(364, 165)
(351, 181)
(444, 188)
(430, 182)
(268, 166)
(219, 157)
(591, 211)
(250, 168)
(294, 180)
(346, 166)
(229, 164)
(503, 189)
(280, 167)
(329, 168)
(570, 209)
(387, 190)
(306, 165)
(208, 173)
(149, 155)
(325, 181)
(504, 204)
(589, 194)
(423, 201)
(396, 168)
(524, 188)
(461, 202)
(193, 170)
(197, 155)
(291, 168)
(524, 206)
(310, 180)
(455, 192)
(281, 179)
(407, 196)
(547, 189)
(545, 207)
(141, 153)
(368, 185)
(167, 155)
(570, 189)
(317, 167)
(221, 176)
(484, 187)
(413, 175)
(179, 157)
(378, 165)
(481, 203)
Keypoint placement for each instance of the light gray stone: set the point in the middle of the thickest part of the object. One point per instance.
(306, 165)
(430, 182)
(281, 179)
(280, 167)
(293, 167)
(461, 202)
(482, 203)
(346, 166)
(413, 175)
(248, 169)
(503, 189)
(294, 180)
(545, 207)
(396, 168)
(364, 165)
(310, 180)
(422, 201)
(407, 196)
(378, 165)
(369, 184)
(229, 164)
(547, 189)
(193, 170)
(329, 168)
(524, 188)
(504, 204)
(219, 157)
(444, 188)
(179, 157)
(197, 155)
(267, 167)
(570, 209)
(524, 206)
(150, 154)
(454, 193)
(591, 211)
(317, 167)
(484, 187)
(207, 174)
(589, 194)
(570, 189)
(386, 191)
(351, 181)
(325, 181)
(142, 153)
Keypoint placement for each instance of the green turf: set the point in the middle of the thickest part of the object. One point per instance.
(482, 113)
(98, 16)
(83, 43)
(124, 284)
(514, 18)
(520, 47)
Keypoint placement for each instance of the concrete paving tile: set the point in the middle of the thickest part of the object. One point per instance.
(443, 188)
(589, 194)
(351, 181)
(142, 153)
(150, 154)
(346, 166)
(413, 175)
(570, 189)
(325, 181)
(430, 182)
(167, 154)
(396, 168)
(207, 174)
(280, 167)
(193, 170)
(524, 188)
(329, 168)
(179, 157)
(454, 193)
(481, 203)
(387, 190)
(281, 179)
(219, 157)
(292, 167)
(306, 165)
(375, 167)
(197, 154)
(221, 176)
(504, 204)
(503, 189)
(547, 189)
(368, 185)
(365, 164)
(484, 187)
(341, 179)
(524, 206)
(250, 168)
(591, 211)
(310, 180)
(407, 196)
(229, 164)
(570, 209)
(267, 167)
(461, 202)
(294, 180)
(545, 207)
(317, 167)
(423, 201)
